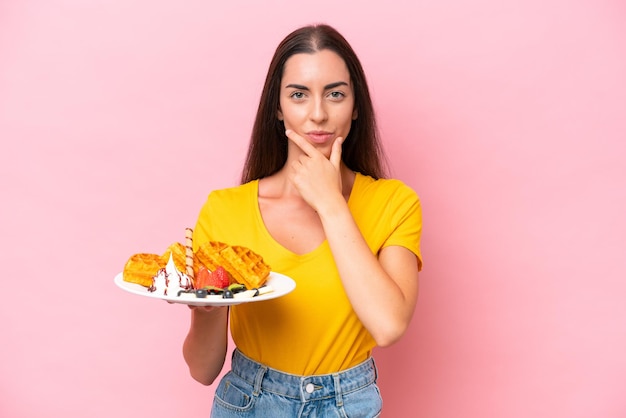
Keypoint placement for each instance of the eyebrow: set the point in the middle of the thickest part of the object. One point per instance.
(326, 87)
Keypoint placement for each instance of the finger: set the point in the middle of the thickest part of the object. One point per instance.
(300, 142)
(335, 153)
(207, 308)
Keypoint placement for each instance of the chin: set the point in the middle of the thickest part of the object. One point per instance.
(326, 149)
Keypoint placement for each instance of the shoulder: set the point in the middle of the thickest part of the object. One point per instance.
(229, 199)
(235, 193)
(384, 188)
(223, 211)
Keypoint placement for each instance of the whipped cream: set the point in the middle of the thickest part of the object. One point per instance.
(169, 280)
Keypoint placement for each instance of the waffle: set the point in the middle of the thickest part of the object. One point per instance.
(179, 255)
(245, 266)
(208, 254)
(242, 264)
(140, 268)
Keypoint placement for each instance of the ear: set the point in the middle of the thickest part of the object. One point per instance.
(279, 115)
(355, 114)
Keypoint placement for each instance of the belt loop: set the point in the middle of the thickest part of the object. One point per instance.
(375, 370)
(258, 379)
(338, 396)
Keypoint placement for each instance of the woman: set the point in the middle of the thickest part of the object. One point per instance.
(314, 204)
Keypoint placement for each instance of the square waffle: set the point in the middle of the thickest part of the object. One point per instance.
(209, 255)
(245, 266)
(140, 268)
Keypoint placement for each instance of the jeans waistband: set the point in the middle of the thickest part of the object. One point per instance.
(304, 388)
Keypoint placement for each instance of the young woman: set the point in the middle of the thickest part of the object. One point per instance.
(315, 204)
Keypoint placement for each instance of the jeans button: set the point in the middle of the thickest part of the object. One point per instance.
(309, 388)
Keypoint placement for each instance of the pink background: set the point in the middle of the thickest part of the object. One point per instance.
(508, 118)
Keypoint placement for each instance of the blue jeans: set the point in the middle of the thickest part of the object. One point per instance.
(251, 389)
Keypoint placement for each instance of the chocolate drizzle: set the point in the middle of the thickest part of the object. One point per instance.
(184, 281)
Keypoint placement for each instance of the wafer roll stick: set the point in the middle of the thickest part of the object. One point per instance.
(189, 253)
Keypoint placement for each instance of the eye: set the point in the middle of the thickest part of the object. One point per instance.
(298, 95)
(336, 95)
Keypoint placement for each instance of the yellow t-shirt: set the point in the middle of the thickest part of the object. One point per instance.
(312, 330)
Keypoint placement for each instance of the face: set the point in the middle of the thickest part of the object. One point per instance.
(316, 98)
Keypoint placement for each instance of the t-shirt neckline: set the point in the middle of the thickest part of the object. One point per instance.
(282, 248)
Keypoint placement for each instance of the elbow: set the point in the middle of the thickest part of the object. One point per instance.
(386, 340)
(391, 327)
(389, 335)
(203, 378)
(200, 370)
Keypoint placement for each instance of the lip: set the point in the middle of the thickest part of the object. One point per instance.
(319, 137)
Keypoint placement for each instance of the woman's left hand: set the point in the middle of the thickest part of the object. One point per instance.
(316, 177)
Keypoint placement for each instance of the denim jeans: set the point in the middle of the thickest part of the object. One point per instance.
(251, 389)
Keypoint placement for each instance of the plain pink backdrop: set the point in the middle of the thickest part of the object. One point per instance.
(507, 117)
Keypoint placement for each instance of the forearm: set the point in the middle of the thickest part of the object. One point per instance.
(205, 346)
(382, 291)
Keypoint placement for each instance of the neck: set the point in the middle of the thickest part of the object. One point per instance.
(279, 184)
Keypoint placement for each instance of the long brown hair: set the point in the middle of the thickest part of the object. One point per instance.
(267, 152)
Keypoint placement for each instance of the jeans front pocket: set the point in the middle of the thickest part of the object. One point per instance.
(233, 393)
(363, 403)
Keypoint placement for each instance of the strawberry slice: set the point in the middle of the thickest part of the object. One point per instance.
(220, 277)
(203, 278)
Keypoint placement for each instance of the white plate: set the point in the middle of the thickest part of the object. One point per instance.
(280, 284)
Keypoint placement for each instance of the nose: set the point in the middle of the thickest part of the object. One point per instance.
(318, 111)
